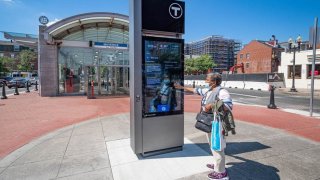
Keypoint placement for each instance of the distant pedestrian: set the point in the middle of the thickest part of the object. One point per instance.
(213, 82)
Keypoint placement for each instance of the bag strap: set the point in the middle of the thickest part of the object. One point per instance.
(211, 97)
(214, 95)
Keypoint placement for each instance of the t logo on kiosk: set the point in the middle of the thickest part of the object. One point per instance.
(175, 10)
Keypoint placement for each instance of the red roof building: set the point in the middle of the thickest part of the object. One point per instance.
(260, 57)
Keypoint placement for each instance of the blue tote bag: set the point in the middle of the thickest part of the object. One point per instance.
(216, 135)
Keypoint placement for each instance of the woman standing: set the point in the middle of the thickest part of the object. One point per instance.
(213, 82)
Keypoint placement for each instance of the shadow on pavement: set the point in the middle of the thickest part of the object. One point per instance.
(236, 147)
(246, 168)
(249, 168)
(244, 147)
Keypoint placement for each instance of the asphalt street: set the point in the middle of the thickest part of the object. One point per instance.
(282, 100)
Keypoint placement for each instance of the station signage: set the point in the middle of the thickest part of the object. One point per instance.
(110, 45)
(163, 15)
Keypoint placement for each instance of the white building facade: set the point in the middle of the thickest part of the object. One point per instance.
(303, 67)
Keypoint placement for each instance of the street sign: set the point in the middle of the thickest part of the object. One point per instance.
(275, 77)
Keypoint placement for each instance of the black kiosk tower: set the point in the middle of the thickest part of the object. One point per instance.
(156, 65)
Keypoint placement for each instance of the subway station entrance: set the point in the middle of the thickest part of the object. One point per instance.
(86, 54)
(93, 71)
(107, 81)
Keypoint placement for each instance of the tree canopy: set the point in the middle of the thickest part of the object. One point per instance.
(26, 60)
(199, 64)
(6, 64)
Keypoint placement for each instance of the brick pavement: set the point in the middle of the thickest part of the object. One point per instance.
(28, 116)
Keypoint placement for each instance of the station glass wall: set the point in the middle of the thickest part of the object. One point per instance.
(73, 61)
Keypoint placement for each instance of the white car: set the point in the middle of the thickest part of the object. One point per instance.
(33, 80)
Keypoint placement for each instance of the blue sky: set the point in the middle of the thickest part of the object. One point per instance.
(244, 20)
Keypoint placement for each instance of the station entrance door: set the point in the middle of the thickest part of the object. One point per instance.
(107, 81)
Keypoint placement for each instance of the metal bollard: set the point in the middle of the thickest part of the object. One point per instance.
(36, 89)
(4, 91)
(272, 105)
(193, 84)
(16, 92)
(27, 91)
(92, 90)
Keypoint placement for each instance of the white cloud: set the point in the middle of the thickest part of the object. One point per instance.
(52, 22)
(7, 1)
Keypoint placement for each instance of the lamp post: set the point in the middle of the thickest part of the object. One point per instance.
(294, 46)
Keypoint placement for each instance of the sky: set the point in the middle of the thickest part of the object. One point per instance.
(243, 20)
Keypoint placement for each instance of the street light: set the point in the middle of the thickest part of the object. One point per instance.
(293, 46)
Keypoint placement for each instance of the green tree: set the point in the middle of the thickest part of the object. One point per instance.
(27, 60)
(189, 66)
(200, 64)
(203, 63)
(6, 64)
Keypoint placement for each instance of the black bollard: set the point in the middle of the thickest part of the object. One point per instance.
(272, 105)
(36, 89)
(4, 91)
(27, 91)
(16, 92)
(194, 84)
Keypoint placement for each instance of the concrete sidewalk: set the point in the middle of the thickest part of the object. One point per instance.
(301, 92)
(99, 149)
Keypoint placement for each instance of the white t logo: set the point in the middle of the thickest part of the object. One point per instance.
(175, 10)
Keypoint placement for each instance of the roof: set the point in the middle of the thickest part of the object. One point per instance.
(79, 22)
(21, 38)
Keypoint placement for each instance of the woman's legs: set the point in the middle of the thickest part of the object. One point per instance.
(218, 157)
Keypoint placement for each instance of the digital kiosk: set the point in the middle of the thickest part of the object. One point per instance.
(156, 57)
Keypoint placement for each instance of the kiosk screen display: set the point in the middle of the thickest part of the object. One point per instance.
(162, 70)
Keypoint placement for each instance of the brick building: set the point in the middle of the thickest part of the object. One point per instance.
(12, 50)
(9, 49)
(260, 57)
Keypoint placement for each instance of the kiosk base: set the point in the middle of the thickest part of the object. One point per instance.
(162, 151)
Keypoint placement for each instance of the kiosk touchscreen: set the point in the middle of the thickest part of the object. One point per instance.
(162, 66)
(161, 116)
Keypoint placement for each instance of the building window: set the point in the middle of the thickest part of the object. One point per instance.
(297, 73)
(247, 65)
(248, 55)
(1, 54)
(316, 71)
(12, 55)
(241, 56)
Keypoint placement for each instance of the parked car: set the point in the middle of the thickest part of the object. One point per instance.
(8, 78)
(20, 82)
(33, 80)
(5, 80)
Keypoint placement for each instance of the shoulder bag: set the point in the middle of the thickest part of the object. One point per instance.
(204, 119)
